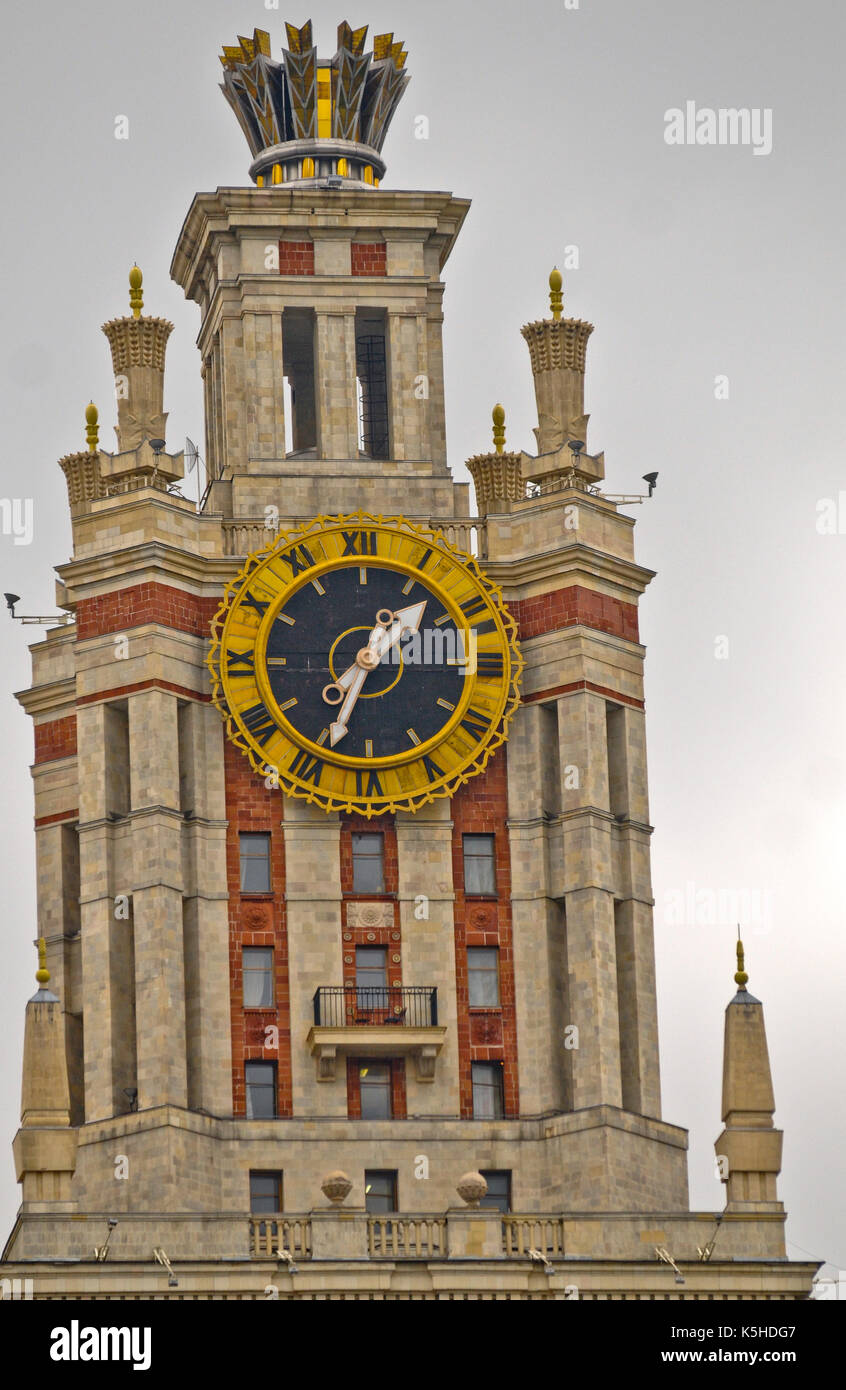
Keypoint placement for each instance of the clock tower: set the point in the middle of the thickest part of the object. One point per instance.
(341, 794)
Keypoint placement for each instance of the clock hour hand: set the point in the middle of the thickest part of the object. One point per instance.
(338, 729)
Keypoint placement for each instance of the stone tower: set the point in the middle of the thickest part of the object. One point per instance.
(348, 1051)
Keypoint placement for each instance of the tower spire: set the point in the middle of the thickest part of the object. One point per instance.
(749, 1145)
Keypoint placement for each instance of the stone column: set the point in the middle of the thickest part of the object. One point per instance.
(406, 351)
(96, 909)
(589, 901)
(265, 396)
(313, 895)
(206, 913)
(424, 852)
(157, 900)
(335, 376)
(539, 960)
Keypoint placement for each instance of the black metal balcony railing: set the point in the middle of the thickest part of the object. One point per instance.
(351, 1006)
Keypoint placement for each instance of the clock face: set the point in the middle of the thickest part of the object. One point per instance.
(365, 665)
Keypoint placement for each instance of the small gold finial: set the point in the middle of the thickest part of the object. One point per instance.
(136, 298)
(92, 432)
(42, 974)
(498, 417)
(741, 978)
(556, 298)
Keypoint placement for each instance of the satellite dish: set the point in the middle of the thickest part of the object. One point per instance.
(192, 454)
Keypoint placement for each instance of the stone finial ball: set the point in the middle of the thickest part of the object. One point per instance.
(336, 1186)
(471, 1188)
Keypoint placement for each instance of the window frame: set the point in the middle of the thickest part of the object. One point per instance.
(468, 857)
(491, 1204)
(273, 1069)
(498, 1091)
(363, 1084)
(271, 971)
(375, 836)
(244, 859)
(473, 974)
(278, 1176)
(393, 1175)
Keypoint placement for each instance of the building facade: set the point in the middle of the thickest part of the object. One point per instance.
(341, 798)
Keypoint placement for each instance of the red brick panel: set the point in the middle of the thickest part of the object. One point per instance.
(554, 690)
(256, 919)
(55, 739)
(145, 603)
(369, 258)
(481, 808)
(59, 816)
(574, 604)
(296, 258)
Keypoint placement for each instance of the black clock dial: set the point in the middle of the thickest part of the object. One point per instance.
(409, 696)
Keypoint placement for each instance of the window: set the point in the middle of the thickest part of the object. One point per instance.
(488, 1101)
(261, 1090)
(265, 1193)
(258, 977)
(368, 853)
(498, 1195)
(371, 976)
(371, 370)
(479, 871)
(483, 976)
(374, 1079)
(255, 863)
(380, 1190)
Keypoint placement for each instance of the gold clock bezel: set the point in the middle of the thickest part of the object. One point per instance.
(230, 626)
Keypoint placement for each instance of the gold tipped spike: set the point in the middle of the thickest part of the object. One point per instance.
(136, 298)
(556, 298)
(498, 417)
(382, 46)
(42, 974)
(299, 40)
(92, 433)
(741, 978)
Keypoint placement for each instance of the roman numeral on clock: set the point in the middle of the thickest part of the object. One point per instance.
(490, 665)
(257, 720)
(258, 604)
(240, 659)
(433, 772)
(299, 558)
(359, 542)
(374, 786)
(307, 768)
(474, 722)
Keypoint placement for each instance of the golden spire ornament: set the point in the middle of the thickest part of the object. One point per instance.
(42, 974)
(92, 432)
(741, 978)
(556, 298)
(136, 298)
(498, 417)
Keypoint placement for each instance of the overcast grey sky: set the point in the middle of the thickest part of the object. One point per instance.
(695, 262)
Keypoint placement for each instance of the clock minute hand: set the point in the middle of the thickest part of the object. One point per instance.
(382, 638)
(405, 620)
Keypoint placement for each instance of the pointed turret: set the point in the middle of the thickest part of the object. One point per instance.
(45, 1145)
(138, 345)
(558, 348)
(749, 1146)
